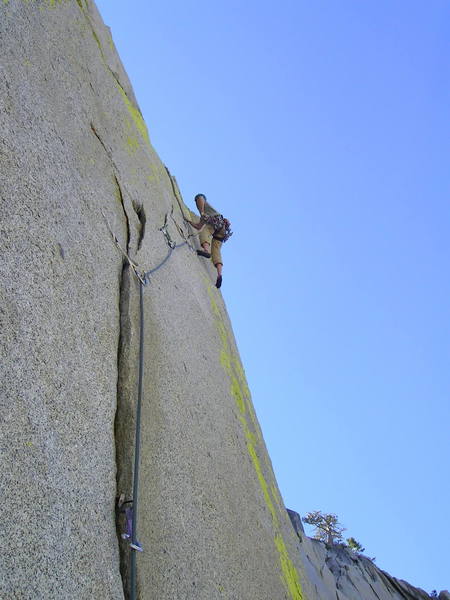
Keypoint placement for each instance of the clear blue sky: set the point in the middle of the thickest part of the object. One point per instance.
(321, 129)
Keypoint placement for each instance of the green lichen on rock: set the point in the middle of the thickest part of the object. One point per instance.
(132, 139)
(135, 114)
(98, 41)
(290, 575)
(111, 42)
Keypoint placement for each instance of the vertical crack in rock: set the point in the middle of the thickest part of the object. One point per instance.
(124, 414)
(127, 220)
(125, 417)
(127, 357)
(124, 409)
(392, 582)
(95, 132)
(175, 190)
(177, 195)
(373, 590)
(139, 210)
(351, 581)
(365, 571)
(80, 4)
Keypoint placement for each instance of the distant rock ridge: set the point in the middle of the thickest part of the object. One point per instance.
(84, 199)
(348, 575)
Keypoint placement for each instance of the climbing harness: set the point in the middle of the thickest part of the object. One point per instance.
(219, 223)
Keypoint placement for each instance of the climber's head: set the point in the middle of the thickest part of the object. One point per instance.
(200, 196)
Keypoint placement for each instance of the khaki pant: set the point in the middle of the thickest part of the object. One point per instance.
(205, 235)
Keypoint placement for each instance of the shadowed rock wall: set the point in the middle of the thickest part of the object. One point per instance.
(76, 160)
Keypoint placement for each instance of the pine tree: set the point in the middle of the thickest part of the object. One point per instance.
(354, 545)
(328, 528)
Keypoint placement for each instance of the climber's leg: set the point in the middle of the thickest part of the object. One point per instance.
(219, 275)
(205, 252)
(205, 241)
(205, 235)
(216, 257)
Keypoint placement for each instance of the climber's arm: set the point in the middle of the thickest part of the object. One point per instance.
(197, 226)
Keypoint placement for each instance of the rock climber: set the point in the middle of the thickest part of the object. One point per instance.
(213, 229)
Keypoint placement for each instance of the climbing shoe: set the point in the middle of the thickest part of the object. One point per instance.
(203, 253)
(219, 282)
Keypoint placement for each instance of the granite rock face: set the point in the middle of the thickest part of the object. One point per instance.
(337, 573)
(76, 164)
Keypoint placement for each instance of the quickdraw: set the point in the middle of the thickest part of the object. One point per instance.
(169, 240)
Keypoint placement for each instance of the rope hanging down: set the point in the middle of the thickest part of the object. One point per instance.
(135, 545)
(132, 510)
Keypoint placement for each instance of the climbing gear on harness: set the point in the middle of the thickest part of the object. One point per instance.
(219, 223)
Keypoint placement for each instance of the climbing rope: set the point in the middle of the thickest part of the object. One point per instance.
(131, 511)
(163, 262)
(135, 545)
